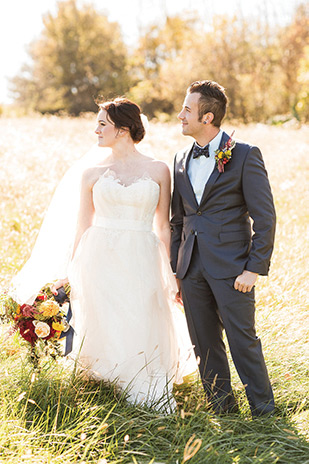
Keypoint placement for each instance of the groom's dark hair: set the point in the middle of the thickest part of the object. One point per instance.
(212, 100)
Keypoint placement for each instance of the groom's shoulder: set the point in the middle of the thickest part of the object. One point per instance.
(247, 151)
(240, 144)
(243, 148)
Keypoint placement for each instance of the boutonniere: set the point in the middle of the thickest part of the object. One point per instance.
(223, 155)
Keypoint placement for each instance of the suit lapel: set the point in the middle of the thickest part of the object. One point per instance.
(186, 161)
(215, 173)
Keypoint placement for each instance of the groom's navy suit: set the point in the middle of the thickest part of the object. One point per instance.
(212, 243)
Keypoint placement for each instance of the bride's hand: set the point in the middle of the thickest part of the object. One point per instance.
(178, 296)
(59, 283)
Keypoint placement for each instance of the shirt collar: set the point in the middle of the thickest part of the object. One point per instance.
(214, 143)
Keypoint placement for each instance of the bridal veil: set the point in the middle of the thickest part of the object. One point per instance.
(52, 251)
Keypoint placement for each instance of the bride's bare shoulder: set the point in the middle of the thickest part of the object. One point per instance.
(158, 170)
(91, 175)
(155, 163)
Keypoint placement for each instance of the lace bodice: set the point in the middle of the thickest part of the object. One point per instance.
(132, 204)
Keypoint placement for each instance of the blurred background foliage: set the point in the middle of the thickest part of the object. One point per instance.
(81, 54)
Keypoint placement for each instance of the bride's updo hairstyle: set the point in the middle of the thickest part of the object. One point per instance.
(125, 114)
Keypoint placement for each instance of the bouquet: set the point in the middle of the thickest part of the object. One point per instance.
(41, 324)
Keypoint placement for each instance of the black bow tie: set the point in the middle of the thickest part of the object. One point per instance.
(199, 151)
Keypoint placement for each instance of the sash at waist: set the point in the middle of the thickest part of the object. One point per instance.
(122, 224)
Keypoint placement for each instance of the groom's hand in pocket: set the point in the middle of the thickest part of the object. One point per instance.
(245, 281)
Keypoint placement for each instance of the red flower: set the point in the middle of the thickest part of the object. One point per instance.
(26, 329)
(28, 311)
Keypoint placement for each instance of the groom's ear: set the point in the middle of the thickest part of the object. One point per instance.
(208, 118)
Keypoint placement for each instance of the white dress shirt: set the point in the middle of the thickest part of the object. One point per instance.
(200, 169)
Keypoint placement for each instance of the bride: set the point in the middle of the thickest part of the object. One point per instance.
(127, 328)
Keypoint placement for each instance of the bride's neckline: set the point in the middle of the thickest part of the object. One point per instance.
(110, 174)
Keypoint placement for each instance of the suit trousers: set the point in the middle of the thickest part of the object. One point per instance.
(212, 305)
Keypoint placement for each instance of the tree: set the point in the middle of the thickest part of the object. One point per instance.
(263, 67)
(160, 46)
(79, 55)
(294, 40)
(228, 50)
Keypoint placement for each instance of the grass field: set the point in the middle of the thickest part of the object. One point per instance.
(55, 417)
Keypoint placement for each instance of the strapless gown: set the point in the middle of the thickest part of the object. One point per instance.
(127, 327)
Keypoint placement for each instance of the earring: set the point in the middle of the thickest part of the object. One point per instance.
(205, 122)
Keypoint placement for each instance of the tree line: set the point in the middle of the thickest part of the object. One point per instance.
(80, 55)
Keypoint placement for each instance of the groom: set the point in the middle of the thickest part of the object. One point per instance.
(216, 253)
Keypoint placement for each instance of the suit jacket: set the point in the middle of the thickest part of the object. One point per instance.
(221, 224)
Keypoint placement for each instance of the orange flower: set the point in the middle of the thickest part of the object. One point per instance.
(49, 308)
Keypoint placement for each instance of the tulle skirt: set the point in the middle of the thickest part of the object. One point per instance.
(127, 327)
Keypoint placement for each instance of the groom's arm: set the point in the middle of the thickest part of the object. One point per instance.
(177, 214)
(259, 201)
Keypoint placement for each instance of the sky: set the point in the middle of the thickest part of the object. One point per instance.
(21, 21)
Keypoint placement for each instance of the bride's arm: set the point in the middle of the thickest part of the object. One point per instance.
(86, 210)
(162, 224)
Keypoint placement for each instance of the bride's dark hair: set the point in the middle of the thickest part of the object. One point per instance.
(124, 113)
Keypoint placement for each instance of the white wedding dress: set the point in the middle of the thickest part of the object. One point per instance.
(127, 327)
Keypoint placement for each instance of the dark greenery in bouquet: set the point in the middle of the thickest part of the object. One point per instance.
(41, 324)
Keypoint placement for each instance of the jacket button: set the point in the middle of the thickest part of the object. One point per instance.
(199, 213)
(192, 232)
